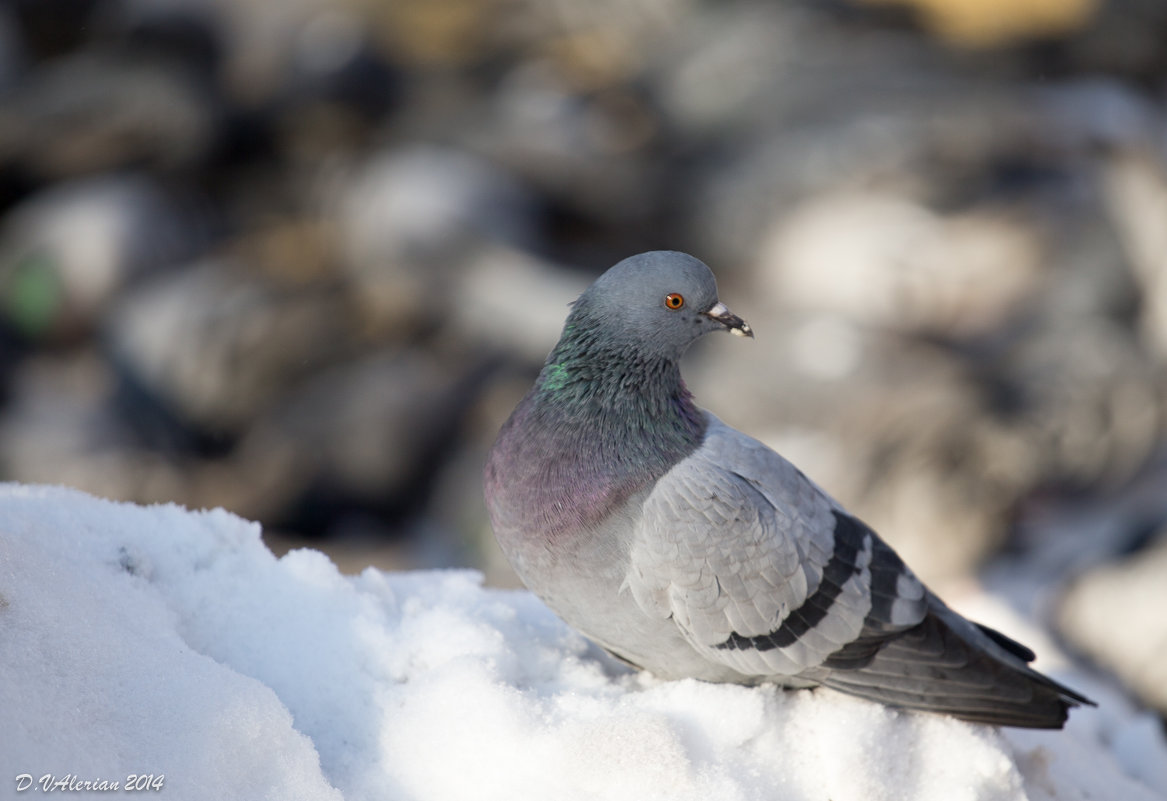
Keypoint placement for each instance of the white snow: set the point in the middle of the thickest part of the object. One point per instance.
(157, 641)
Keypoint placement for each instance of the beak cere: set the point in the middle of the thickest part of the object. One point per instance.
(734, 324)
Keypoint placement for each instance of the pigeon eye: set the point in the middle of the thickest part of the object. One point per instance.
(674, 301)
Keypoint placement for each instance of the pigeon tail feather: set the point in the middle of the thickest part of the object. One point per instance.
(944, 664)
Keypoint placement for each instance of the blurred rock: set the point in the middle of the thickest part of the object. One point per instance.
(63, 425)
(260, 42)
(214, 346)
(587, 153)
(55, 413)
(510, 302)
(1114, 614)
(99, 111)
(893, 142)
(436, 33)
(1060, 535)
(983, 23)
(898, 265)
(407, 219)
(1080, 392)
(66, 252)
(336, 90)
(11, 55)
(369, 434)
(1136, 186)
(1124, 39)
(1093, 112)
(725, 66)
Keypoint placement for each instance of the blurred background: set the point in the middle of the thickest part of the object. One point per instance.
(299, 259)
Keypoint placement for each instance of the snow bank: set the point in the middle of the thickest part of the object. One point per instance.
(166, 643)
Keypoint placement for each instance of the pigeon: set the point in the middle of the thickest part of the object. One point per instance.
(691, 550)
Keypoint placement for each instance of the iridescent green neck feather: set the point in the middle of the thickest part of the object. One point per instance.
(603, 421)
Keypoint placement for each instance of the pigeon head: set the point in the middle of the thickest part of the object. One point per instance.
(657, 302)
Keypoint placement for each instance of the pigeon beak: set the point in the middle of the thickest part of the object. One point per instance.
(734, 324)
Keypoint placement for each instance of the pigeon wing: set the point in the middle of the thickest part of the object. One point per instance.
(760, 569)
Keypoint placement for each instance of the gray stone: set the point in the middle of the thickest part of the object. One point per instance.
(218, 346)
(1114, 614)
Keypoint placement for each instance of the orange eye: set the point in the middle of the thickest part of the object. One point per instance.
(674, 301)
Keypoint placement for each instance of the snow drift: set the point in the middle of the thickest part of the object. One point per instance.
(160, 643)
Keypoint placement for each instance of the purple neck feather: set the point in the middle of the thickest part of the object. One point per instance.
(599, 425)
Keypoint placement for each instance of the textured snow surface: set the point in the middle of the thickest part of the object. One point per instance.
(158, 641)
